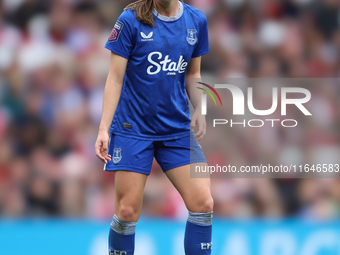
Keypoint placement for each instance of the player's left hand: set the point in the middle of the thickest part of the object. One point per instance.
(199, 120)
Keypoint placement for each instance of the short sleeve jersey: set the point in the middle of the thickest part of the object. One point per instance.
(153, 104)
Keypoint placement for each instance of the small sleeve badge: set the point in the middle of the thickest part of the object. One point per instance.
(116, 31)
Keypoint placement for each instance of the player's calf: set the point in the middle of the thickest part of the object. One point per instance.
(197, 240)
(122, 237)
(198, 231)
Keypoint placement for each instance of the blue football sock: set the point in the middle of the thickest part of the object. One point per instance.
(122, 237)
(197, 240)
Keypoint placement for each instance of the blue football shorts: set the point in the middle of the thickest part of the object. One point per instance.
(136, 155)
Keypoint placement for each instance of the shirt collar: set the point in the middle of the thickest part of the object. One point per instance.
(170, 19)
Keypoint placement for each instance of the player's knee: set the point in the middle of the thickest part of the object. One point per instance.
(128, 213)
(208, 205)
(203, 205)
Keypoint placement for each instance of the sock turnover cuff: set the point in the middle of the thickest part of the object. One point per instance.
(202, 219)
(123, 227)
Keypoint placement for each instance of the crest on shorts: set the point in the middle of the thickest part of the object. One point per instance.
(191, 36)
(116, 31)
(117, 155)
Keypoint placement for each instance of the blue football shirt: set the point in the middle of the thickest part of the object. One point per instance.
(153, 103)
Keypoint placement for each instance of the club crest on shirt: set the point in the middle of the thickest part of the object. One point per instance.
(116, 31)
(117, 155)
(191, 36)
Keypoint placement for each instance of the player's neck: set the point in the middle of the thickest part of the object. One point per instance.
(168, 8)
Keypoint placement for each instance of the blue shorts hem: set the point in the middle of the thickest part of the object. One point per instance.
(127, 168)
(183, 163)
(149, 138)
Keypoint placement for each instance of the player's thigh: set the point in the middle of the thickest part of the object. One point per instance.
(194, 191)
(177, 157)
(129, 187)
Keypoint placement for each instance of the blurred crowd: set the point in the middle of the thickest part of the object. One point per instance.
(53, 67)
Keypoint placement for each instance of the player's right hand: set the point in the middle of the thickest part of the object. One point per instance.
(102, 146)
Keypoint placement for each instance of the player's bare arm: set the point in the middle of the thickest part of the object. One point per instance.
(194, 71)
(113, 88)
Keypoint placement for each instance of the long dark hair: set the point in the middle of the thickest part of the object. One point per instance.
(143, 11)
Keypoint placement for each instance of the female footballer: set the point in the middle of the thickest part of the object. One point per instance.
(156, 48)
